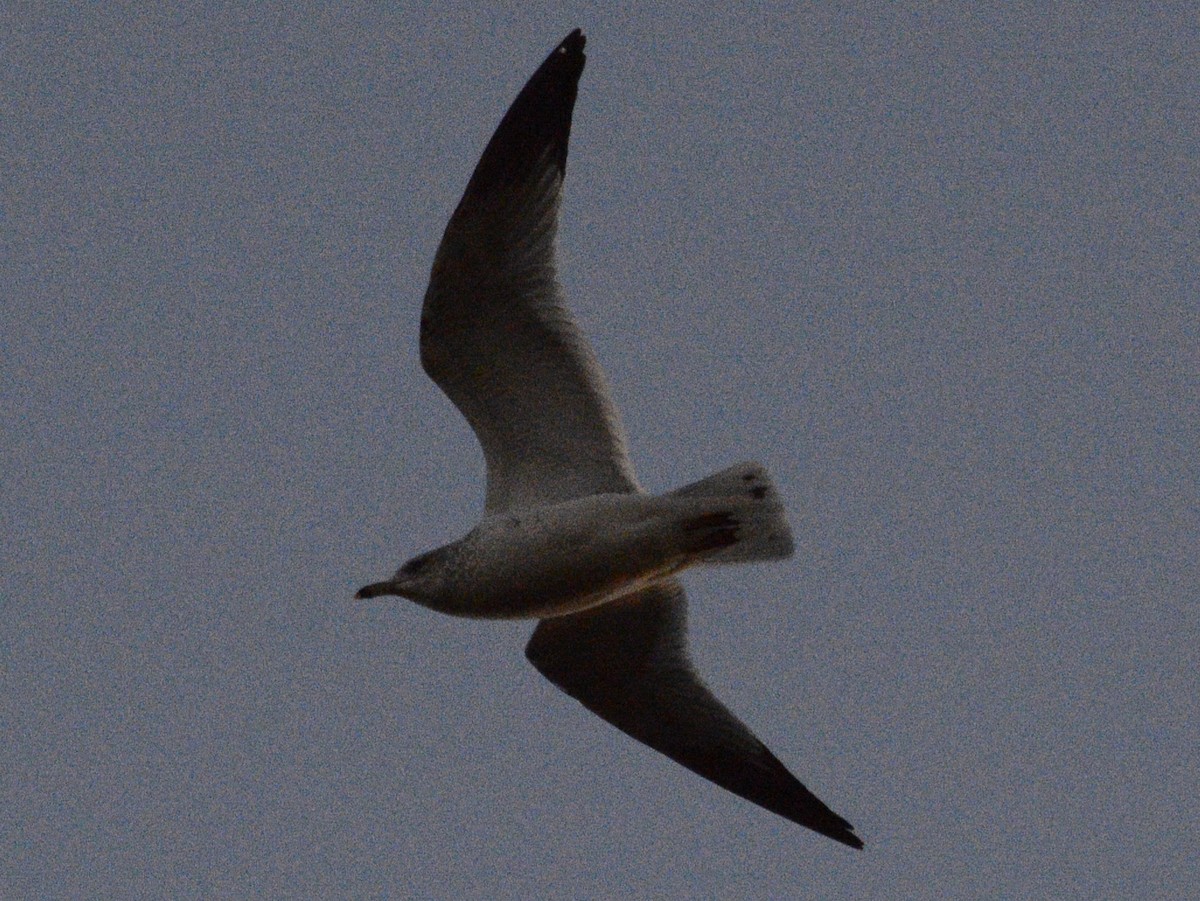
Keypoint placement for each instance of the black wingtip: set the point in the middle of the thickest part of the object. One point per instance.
(573, 43)
(846, 837)
(787, 796)
(537, 122)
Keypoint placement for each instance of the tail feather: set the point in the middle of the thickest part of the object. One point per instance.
(744, 522)
(710, 532)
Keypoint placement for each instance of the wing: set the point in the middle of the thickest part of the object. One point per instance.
(495, 334)
(627, 662)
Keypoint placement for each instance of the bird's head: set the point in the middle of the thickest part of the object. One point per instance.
(421, 579)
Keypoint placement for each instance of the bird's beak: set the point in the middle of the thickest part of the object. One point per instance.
(376, 589)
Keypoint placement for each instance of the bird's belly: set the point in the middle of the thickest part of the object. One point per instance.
(542, 599)
(565, 562)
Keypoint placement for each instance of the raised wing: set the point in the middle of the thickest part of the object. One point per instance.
(627, 662)
(495, 334)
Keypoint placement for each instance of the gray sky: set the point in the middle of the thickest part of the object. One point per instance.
(935, 265)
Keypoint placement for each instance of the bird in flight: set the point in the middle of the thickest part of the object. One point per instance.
(568, 536)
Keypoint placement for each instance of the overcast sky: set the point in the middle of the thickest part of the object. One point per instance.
(935, 265)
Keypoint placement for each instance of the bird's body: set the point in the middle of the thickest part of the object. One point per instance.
(568, 535)
(559, 559)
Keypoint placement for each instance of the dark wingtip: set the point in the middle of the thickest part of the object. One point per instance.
(539, 120)
(574, 42)
(846, 838)
(792, 800)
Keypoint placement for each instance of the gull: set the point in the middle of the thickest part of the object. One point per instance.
(568, 536)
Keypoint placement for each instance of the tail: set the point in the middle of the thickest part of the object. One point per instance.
(743, 519)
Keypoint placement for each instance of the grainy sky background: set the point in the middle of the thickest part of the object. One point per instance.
(936, 265)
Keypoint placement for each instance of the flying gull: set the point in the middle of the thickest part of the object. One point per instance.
(568, 536)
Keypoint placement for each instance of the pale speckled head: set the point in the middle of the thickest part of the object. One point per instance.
(421, 579)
